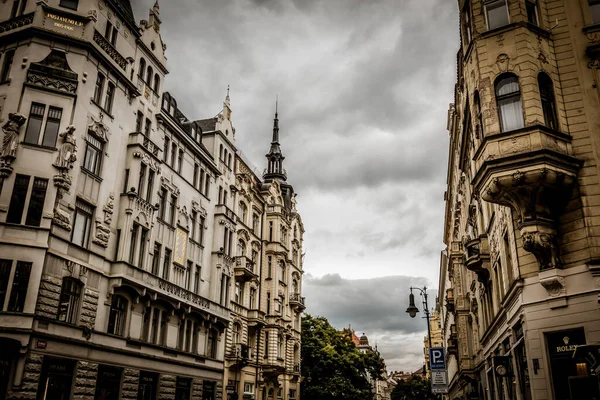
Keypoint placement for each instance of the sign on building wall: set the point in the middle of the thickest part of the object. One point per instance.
(439, 374)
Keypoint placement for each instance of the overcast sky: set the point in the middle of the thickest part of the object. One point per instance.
(364, 88)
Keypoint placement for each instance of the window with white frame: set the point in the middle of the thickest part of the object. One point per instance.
(92, 160)
(508, 99)
(82, 223)
(496, 12)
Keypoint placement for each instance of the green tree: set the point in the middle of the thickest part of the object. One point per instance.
(414, 388)
(332, 366)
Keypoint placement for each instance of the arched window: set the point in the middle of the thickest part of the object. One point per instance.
(68, 303)
(547, 98)
(149, 74)
(508, 99)
(156, 83)
(241, 248)
(117, 315)
(142, 68)
(478, 114)
(235, 333)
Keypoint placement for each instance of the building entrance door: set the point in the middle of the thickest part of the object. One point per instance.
(561, 346)
(10, 349)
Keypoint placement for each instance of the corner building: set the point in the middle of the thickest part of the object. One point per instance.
(119, 214)
(519, 279)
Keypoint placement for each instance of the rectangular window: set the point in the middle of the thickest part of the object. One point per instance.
(5, 268)
(166, 150)
(150, 186)
(93, 155)
(36, 202)
(19, 287)
(201, 231)
(162, 204)
(190, 267)
(266, 344)
(34, 123)
(180, 162)
(72, 4)
(466, 26)
(7, 65)
(99, 88)
(68, 306)
(195, 181)
(532, 12)
(268, 303)
(193, 224)
(594, 10)
(143, 238)
(147, 127)
(52, 126)
(197, 276)
(252, 304)
(173, 210)
(108, 385)
(111, 33)
(138, 121)
(173, 155)
(17, 201)
(126, 181)
(110, 96)
(248, 387)
(496, 13)
(133, 243)
(156, 258)
(166, 264)
(142, 180)
(148, 386)
(82, 223)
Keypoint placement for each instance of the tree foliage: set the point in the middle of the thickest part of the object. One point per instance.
(414, 388)
(332, 367)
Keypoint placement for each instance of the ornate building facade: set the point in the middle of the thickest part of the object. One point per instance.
(120, 216)
(520, 272)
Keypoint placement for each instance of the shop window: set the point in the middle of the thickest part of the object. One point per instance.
(18, 201)
(547, 97)
(209, 390)
(148, 386)
(117, 315)
(561, 346)
(56, 379)
(508, 98)
(94, 149)
(108, 384)
(13, 297)
(82, 223)
(496, 13)
(70, 297)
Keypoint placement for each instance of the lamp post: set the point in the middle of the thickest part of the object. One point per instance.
(412, 310)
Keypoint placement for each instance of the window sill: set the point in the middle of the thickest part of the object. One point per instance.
(282, 283)
(6, 82)
(165, 223)
(91, 174)
(36, 146)
(13, 225)
(591, 28)
(103, 109)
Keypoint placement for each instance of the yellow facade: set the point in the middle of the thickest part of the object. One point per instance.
(519, 274)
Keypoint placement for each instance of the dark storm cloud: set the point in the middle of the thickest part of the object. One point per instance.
(376, 307)
(364, 88)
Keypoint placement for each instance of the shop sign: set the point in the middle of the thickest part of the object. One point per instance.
(68, 25)
(564, 343)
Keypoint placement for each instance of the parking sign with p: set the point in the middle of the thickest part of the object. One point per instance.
(437, 359)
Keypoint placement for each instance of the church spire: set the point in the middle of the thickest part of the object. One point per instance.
(275, 157)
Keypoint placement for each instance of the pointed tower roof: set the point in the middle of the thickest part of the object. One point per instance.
(275, 157)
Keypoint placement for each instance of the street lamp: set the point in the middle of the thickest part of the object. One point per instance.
(412, 310)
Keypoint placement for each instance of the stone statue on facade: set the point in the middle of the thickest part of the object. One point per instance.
(67, 154)
(11, 135)
(544, 247)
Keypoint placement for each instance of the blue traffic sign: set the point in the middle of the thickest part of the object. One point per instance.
(437, 359)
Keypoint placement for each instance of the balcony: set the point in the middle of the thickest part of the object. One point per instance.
(297, 301)
(450, 300)
(256, 318)
(222, 209)
(477, 257)
(110, 50)
(244, 269)
(532, 171)
(15, 23)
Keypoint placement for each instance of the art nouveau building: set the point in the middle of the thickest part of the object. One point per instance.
(117, 225)
(520, 271)
(263, 342)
